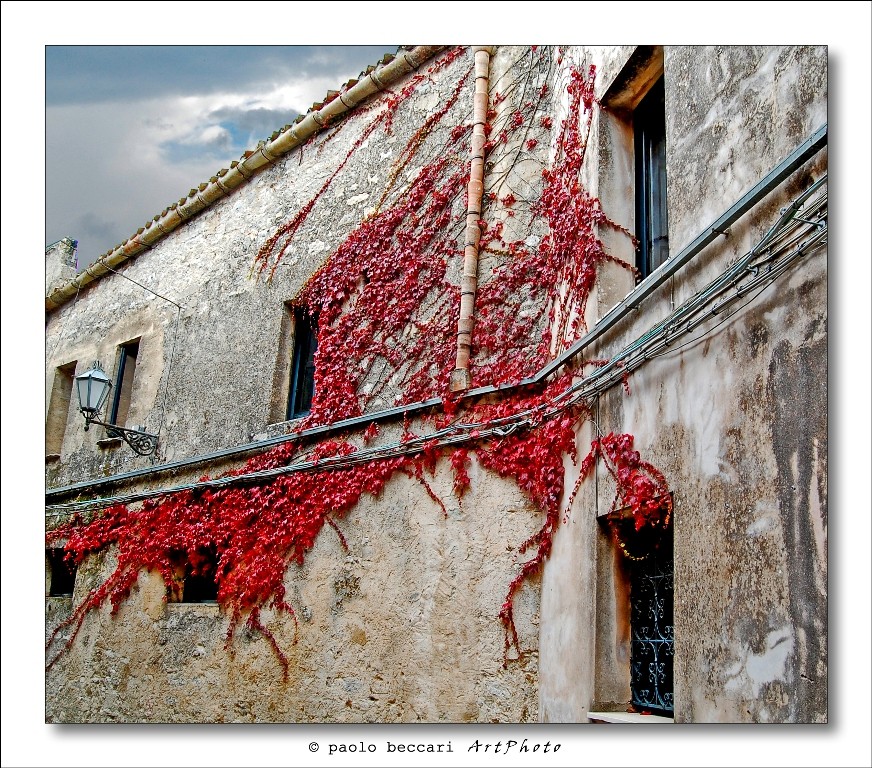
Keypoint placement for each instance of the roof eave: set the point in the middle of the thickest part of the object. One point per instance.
(252, 162)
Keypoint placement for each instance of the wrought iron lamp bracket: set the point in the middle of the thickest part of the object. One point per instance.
(144, 443)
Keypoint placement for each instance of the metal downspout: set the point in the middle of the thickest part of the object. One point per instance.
(460, 378)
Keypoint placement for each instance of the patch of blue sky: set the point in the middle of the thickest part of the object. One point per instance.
(229, 137)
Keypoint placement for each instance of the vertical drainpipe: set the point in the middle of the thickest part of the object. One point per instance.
(460, 378)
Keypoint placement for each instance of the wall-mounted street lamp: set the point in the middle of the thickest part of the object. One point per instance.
(92, 388)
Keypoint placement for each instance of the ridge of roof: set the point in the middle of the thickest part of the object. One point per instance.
(335, 104)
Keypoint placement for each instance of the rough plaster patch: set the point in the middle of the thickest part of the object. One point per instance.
(699, 400)
(316, 246)
(756, 670)
(428, 103)
(695, 399)
(766, 517)
(816, 510)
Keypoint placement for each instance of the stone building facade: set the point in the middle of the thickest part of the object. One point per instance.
(646, 252)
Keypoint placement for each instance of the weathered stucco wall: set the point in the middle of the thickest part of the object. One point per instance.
(404, 626)
(225, 351)
(736, 421)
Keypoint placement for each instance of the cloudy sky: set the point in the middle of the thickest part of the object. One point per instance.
(130, 129)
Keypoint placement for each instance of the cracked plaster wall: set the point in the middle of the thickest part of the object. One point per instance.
(736, 421)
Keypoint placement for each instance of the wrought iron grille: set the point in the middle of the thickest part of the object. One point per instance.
(653, 635)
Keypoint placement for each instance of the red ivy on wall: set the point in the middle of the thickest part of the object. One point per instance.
(387, 316)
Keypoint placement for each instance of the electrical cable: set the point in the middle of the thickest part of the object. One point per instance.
(603, 378)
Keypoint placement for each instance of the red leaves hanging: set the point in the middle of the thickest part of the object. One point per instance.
(255, 530)
(641, 487)
(387, 317)
(542, 290)
(460, 463)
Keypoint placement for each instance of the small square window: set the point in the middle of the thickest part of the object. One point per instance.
(195, 578)
(62, 573)
(200, 588)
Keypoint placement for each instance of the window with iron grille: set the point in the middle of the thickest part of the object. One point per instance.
(652, 645)
(646, 584)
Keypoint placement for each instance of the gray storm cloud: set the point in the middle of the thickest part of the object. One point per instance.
(130, 130)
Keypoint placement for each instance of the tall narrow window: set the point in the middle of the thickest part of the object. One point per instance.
(123, 383)
(652, 647)
(649, 130)
(302, 382)
(62, 574)
(644, 595)
(59, 408)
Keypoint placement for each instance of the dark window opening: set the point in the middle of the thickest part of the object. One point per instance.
(302, 383)
(652, 645)
(649, 130)
(62, 573)
(646, 586)
(123, 383)
(200, 588)
(195, 578)
(59, 408)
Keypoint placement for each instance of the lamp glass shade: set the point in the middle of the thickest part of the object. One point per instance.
(92, 388)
